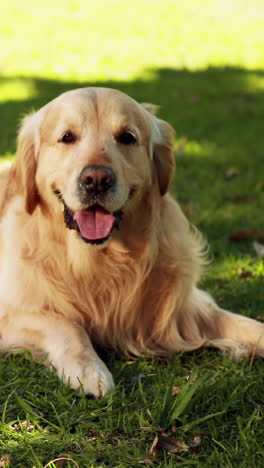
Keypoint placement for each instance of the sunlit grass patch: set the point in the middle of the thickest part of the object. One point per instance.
(16, 90)
(109, 39)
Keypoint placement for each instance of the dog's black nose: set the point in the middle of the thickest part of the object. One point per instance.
(96, 178)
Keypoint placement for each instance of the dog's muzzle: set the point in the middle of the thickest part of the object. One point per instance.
(95, 223)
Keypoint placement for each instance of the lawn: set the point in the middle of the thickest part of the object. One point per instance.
(203, 63)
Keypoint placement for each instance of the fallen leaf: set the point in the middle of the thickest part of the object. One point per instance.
(179, 446)
(152, 450)
(14, 427)
(5, 461)
(259, 249)
(60, 463)
(159, 428)
(231, 172)
(196, 441)
(243, 96)
(146, 461)
(176, 390)
(23, 425)
(241, 272)
(112, 440)
(247, 234)
(245, 274)
(222, 285)
(238, 198)
(91, 439)
(170, 444)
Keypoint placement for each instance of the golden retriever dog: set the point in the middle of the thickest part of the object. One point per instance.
(94, 250)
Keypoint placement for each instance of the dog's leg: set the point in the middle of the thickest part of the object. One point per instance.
(207, 324)
(65, 346)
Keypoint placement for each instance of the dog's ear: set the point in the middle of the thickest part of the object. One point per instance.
(151, 108)
(163, 157)
(26, 160)
(161, 148)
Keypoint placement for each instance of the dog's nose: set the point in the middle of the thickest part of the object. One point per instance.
(96, 178)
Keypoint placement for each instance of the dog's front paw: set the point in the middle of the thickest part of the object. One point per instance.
(96, 380)
(92, 378)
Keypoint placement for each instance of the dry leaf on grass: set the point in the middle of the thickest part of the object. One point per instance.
(242, 95)
(242, 273)
(175, 390)
(247, 234)
(170, 444)
(196, 441)
(146, 461)
(5, 461)
(23, 425)
(153, 448)
(238, 198)
(231, 172)
(245, 274)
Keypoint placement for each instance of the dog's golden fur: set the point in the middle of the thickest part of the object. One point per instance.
(137, 291)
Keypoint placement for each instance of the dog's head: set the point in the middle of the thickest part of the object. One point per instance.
(94, 151)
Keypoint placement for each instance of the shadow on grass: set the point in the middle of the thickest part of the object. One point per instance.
(218, 115)
(213, 105)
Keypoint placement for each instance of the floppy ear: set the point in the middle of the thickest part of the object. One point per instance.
(161, 149)
(163, 158)
(26, 160)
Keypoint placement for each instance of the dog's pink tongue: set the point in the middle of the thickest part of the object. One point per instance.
(94, 223)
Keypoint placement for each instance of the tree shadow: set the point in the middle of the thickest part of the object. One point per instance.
(198, 104)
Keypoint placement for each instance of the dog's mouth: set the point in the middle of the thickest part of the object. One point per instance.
(94, 224)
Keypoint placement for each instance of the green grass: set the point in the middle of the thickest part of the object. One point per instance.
(203, 63)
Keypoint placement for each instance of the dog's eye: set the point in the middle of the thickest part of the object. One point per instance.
(126, 138)
(68, 137)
